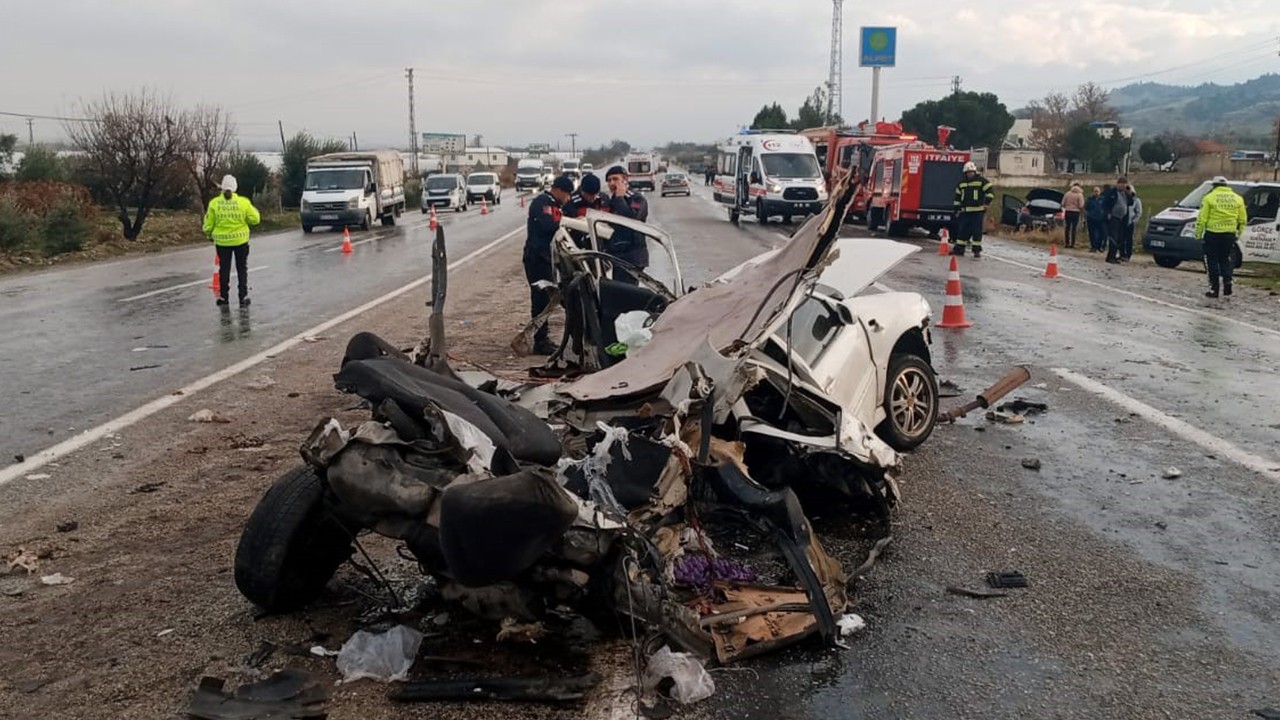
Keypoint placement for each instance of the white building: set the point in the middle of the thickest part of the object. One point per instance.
(1019, 136)
(1021, 162)
(486, 157)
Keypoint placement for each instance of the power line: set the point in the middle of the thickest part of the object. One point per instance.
(47, 117)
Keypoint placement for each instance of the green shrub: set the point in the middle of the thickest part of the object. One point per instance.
(17, 229)
(251, 174)
(65, 229)
(413, 193)
(41, 163)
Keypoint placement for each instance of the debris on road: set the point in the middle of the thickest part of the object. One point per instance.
(38, 476)
(149, 487)
(291, 694)
(1268, 713)
(689, 680)
(166, 631)
(26, 560)
(19, 458)
(531, 689)
(56, 579)
(1007, 579)
(69, 526)
(1018, 406)
(977, 594)
(1162, 525)
(1007, 418)
(387, 656)
(1171, 473)
(136, 368)
(208, 416)
(1031, 463)
(850, 624)
(261, 382)
(1011, 381)
(314, 338)
(512, 630)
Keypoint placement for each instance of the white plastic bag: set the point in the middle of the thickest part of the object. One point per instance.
(692, 681)
(630, 329)
(386, 657)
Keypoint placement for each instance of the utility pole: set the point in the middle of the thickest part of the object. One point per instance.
(573, 144)
(835, 77)
(31, 132)
(413, 126)
(1275, 161)
(355, 141)
(955, 84)
(284, 146)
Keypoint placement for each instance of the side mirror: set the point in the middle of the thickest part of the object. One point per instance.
(371, 189)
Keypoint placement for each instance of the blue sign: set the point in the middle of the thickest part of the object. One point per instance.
(878, 47)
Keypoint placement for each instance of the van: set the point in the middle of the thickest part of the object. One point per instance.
(529, 174)
(769, 175)
(1170, 234)
(640, 171)
(353, 188)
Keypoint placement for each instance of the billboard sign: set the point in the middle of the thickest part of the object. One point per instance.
(878, 47)
(443, 143)
(539, 148)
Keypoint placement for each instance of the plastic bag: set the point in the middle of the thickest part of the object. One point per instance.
(630, 329)
(692, 681)
(386, 657)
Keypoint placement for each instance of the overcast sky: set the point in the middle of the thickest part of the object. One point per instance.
(647, 71)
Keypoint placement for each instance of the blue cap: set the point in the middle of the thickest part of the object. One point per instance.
(590, 184)
(563, 182)
(616, 170)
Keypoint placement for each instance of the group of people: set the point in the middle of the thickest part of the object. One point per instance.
(1111, 218)
(545, 213)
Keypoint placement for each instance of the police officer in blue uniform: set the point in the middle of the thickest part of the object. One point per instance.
(625, 244)
(544, 220)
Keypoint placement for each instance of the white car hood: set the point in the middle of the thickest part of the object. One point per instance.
(1176, 214)
(856, 263)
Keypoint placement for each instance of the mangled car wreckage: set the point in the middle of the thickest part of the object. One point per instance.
(660, 477)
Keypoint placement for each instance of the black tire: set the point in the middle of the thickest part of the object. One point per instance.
(307, 229)
(761, 216)
(1165, 261)
(366, 222)
(786, 219)
(388, 220)
(897, 229)
(873, 219)
(909, 377)
(734, 216)
(292, 544)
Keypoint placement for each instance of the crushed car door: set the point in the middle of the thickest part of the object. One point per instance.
(1010, 207)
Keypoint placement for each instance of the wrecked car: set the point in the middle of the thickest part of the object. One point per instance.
(1040, 210)
(660, 478)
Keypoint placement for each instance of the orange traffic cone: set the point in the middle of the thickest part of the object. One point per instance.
(944, 247)
(434, 223)
(521, 201)
(1051, 270)
(346, 242)
(953, 306)
(213, 284)
(484, 206)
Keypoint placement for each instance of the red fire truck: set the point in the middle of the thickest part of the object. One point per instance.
(839, 148)
(913, 184)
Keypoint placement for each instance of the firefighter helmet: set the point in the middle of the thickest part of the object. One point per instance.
(970, 167)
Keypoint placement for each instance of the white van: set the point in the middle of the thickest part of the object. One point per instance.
(768, 175)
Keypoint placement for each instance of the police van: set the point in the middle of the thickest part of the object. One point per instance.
(769, 174)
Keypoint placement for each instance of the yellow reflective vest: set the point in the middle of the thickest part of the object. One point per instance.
(227, 220)
(1221, 211)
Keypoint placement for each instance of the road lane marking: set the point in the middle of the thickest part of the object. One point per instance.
(171, 288)
(1156, 301)
(1216, 445)
(88, 437)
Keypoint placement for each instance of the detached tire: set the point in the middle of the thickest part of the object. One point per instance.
(910, 402)
(291, 546)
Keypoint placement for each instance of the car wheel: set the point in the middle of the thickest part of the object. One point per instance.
(291, 545)
(388, 220)
(307, 229)
(910, 402)
(366, 222)
(733, 216)
(786, 219)
(761, 217)
(1165, 261)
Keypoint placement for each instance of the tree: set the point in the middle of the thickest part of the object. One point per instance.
(204, 158)
(293, 167)
(1180, 145)
(813, 112)
(135, 145)
(606, 153)
(7, 145)
(1051, 120)
(252, 175)
(1155, 152)
(40, 162)
(1090, 104)
(1085, 144)
(770, 117)
(979, 119)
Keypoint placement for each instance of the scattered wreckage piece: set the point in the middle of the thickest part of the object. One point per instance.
(291, 694)
(527, 689)
(1011, 381)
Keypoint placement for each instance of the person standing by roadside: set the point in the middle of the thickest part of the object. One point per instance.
(543, 221)
(973, 194)
(226, 223)
(1115, 208)
(1072, 206)
(1095, 218)
(1135, 216)
(625, 244)
(1221, 220)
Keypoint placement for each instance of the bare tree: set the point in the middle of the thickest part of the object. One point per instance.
(135, 146)
(1051, 120)
(1091, 103)
(205, 158)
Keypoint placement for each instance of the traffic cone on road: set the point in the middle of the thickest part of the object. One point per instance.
(944, 247)
(1051, 270)
(346, 242)
(434, 223)
(213, 284)
(484, 206)
(521, 201)
(953, 306)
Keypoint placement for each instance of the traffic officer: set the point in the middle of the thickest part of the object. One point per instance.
(586, 198)
(625, 244)
(1222, 218)
(226, 223)
(973, 194)
(544, 219)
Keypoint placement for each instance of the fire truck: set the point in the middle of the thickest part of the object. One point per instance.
(913, 184)
(839, 148)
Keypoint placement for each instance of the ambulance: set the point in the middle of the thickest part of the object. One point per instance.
(769, 174)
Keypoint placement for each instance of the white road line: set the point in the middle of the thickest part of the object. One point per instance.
(1212, 443)
(171, 288)
(1156, 301)
(66, 447)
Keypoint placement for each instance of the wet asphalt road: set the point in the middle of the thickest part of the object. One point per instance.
(1149, 597)
(86, 344)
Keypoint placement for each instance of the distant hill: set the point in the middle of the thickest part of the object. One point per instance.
(1239, 115)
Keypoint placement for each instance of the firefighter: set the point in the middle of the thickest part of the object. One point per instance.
(1222, 218)
(544, 219)
(625, 244)
(226, 223)
(973, 195)
(586, 198)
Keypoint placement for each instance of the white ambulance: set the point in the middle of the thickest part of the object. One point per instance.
(769, 174)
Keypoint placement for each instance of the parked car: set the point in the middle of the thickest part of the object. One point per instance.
(1040, 210)
(484, 185)
(1170, 235)
(448, 191)
(675, 184)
